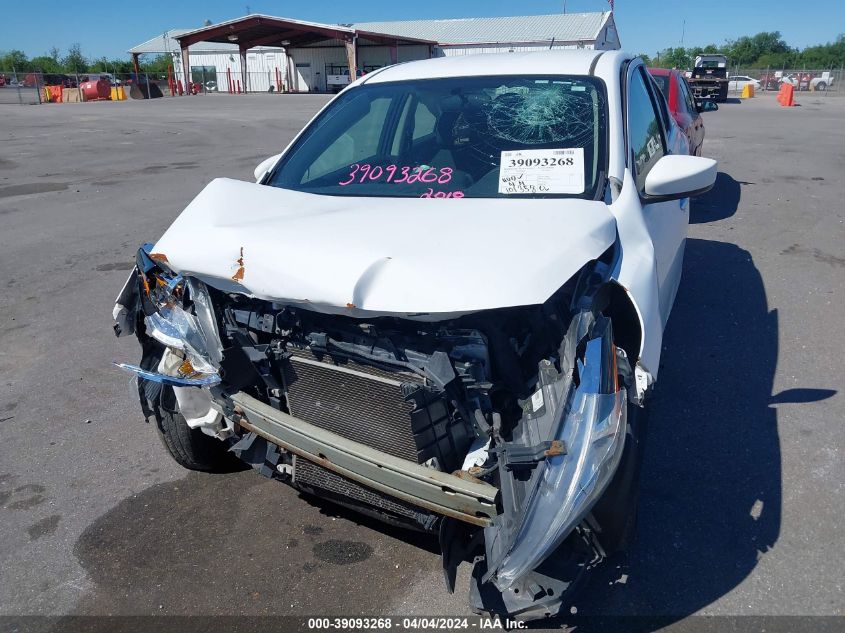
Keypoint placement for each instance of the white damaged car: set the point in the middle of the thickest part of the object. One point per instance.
(441, 305)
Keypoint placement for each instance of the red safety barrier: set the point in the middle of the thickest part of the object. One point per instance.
(179, 88)
(239, 86)
(229, 78)
(278, 80)
(786, 96)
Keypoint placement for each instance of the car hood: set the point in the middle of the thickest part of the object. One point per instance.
(411, 257)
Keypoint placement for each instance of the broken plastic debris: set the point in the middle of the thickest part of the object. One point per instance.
(203, 380)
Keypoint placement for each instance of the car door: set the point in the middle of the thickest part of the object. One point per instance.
(651, 135)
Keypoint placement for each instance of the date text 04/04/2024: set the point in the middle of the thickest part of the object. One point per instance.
(416, 623)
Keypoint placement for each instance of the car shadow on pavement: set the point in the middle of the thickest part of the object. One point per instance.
(719, 203)
(710, 504)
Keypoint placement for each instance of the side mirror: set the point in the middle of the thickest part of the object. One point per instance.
(265, 166)
(674, 177)
(706, 106)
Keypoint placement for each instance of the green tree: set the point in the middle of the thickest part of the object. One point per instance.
(46, 64)
(15, 59)
(74, 61)
(830, 55)
(675, 58)
(159, 64)
(648, 61)
(746, 50)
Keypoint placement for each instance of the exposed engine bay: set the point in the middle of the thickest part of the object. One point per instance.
(503, 430)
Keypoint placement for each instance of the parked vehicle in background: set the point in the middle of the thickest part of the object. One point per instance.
(34, 80)
(738, 82)
(97, 76)
(806, 81)
(710, 77)
(770, 80)
(682, 106)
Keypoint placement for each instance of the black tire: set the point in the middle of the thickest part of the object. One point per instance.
(616, 511)
(191, 448)
(821, 86)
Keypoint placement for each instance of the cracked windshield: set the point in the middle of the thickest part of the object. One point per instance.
(477, 137)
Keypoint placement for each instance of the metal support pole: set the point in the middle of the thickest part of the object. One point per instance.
(243, 69)
(352, 59)
(186, 69)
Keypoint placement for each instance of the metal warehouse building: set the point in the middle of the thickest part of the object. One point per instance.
(261, 51)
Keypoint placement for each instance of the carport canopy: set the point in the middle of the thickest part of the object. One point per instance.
(264, 30)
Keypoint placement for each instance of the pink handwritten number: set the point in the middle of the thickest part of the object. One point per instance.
(409, 175)
(405, 171)
(352, 173)
(431, 193)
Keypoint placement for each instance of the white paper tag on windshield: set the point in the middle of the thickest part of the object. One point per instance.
(540, 171)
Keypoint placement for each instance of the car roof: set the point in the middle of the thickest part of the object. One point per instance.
(550, 62)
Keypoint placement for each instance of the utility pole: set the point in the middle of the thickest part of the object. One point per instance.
(683, 31)
(564, 6)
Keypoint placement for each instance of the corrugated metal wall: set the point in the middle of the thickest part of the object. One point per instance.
(478, 49)
(311, 61)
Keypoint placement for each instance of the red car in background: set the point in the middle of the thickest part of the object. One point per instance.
(682, 105)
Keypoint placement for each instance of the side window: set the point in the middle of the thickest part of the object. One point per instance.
(358, 143)
(424, 121)
(688, 98)
(415, 122)
(662, 103)
(645, 136)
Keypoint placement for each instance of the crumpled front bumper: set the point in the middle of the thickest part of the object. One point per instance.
(463, 499)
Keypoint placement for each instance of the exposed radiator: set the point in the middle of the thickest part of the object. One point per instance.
(356, 401)
(368, 405)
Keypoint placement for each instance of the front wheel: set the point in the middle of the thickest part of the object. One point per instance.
(190, 448)
(821, 86)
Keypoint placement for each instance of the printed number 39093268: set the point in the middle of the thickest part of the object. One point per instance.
(541, 162)
(364, 172)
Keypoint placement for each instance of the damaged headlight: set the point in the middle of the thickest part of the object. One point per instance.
(593, 431)
(193, 337)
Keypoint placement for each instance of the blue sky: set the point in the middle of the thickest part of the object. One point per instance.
(106, 27)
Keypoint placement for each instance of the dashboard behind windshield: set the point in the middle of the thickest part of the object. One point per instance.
(468, 137)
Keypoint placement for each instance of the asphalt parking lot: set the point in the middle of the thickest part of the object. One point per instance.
(742, 505)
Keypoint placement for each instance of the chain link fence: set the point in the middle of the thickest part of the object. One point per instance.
(20, 88)
(770, 79)
(36, 87)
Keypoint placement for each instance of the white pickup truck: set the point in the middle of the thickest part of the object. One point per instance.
(805, 81)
